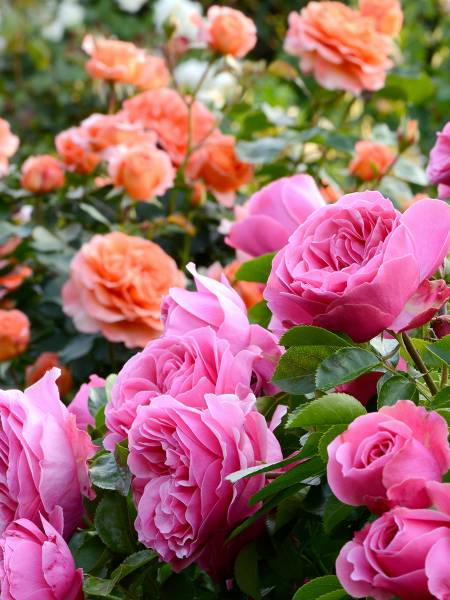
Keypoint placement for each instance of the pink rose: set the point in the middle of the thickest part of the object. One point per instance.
(35, 562)
(390, 557)
(180, 457)
(266, 221)
(438, 170)
(436, 569)
(218, 305)
(79, 404)
(44, 456)
(185, 367)
(387, 458)
(359, 267)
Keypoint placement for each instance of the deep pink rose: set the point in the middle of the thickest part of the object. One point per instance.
(217, 304)
(438, 170)
(79, 404)
(266, 221)
(359, 267)
(180, 457)
(387, 458)
(186, 367)
(44, 455)
(388, 557)
(36, 563)
(437, 571)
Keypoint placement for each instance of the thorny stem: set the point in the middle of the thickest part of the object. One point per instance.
(417, 359)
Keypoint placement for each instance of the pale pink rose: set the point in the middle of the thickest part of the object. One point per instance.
(166, 112)
(266, 221)
(229, 31)
(180, 457)
(42, 174)
(438, 170)
(327, 37)
(79, 405)
(106, 131)
(386, 458)
(9, 143)
(44, 457)
(36, 563)
(436, 569)
(217, 304)
(388, 557)
(359, 266)
(185, 367)
(116, 286)
(144, 171)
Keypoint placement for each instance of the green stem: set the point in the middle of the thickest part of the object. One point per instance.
(444, 376)
(417, 359)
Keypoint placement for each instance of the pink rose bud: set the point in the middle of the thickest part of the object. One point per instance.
(35, 562)
(393, 556)
(386, 458)
(438, 170)
(441, 326)
(79, 405)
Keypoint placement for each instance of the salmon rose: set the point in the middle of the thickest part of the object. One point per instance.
(9, 144)
(45, 362)
(116, 286)
(124, 62)
(229, 31)
(341, 47)
(166, 113)
(74, 150)
(387, 15)
(14, 333)
(372, 160)
(217, 164)
(143, 171)
(42, 174)
(105, 131)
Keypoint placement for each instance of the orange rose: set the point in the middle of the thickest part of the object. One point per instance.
(249, 291)
(74, 150)
(14, 278)
(386, 14)
(124, 62)
(44, 363)
(41, 174)
(105, 131)
(116, 286)
(9, 144)
(143, 171)
(229, 31)
(371, 161)
(166, 113)
(329, 193)
(339, 46)
(9, 246)
(14, 333)
(216, 163)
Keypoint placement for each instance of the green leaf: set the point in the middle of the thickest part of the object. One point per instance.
(257, 269)
(312, 467)
(262, 150)
(260, 314)
(309, 335)
(108, 475)
(345, 365)
(77, 347)
(445, 414)
(113, 524)
(326, 439)
(441, 348)
(442, 399)
(334, 513)
(246, 571)
(132, 563)
(238, 475)
(94, 586)
(425, 350)
(295, 371)
(317, 588)
(96, 403)
(396, 388)
(44, 241)
(410, 171)
(332, 409)
(415, 87)
(88, 551)
(95, 214)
